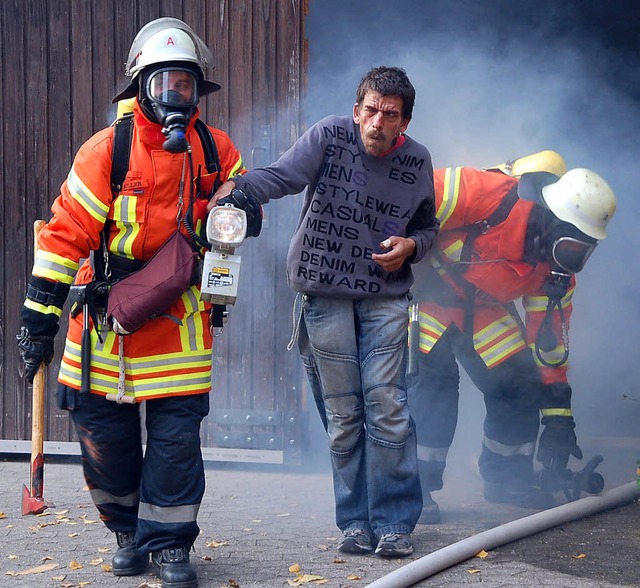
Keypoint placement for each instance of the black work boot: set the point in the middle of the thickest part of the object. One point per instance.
(128, 560)
(173, 567)
(430, 511)
(520, 495)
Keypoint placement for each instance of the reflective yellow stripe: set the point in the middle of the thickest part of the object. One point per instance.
(236, 168)
(539, 303)
(565, 412)
(54, 267)
(499, 340)
(181, 372)
(553, 356)
(503, 349)
(41, 308)
(449, 194)
(431, 329)
(124, 210)
(453, 251)
(191, 335)
(95, 207)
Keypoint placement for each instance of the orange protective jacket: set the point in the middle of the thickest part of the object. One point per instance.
(170, 355)
(496, 273)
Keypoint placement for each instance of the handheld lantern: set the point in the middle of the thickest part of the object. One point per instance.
(226, 230)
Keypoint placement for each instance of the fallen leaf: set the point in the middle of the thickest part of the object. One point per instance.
(73, 534)
(294, 568)
(106, 567)
(13, 557)
(104, 549)
(2, 515)
(256, 521)
(482, 554)
(284, 514)
(62, 512)
(58, 578)
(307, 579)
(339, 561)
(473, 571)
(353, 578)
(74, 565)
(96, 562)
(579, 556)
(213, 544)
(36, 570)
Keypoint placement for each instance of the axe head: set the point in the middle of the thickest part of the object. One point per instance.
(32, 504)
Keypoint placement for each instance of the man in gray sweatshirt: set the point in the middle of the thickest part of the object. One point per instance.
(368, 214)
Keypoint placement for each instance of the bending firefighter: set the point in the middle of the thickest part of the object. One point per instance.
(519, 232)
(150, 502)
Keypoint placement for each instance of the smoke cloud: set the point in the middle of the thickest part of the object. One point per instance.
(499, 80)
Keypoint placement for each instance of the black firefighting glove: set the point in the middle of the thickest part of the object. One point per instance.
(39, 329)
(558, 442)
(34, 350)
(251, 206)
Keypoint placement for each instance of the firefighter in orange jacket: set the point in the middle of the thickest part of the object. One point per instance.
(507, 234)
(151, 501)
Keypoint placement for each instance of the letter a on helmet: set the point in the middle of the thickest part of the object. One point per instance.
(583, 198)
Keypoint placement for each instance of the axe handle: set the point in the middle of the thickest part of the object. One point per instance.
(37, 409)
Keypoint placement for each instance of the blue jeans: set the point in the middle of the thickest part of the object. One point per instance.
(354, 352)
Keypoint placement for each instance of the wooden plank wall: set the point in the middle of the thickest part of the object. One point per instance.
(62, 61)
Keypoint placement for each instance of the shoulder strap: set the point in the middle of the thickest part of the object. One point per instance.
(121, 150)
(495, 218)
(211, 157)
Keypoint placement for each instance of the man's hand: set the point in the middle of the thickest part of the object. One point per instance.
(221, 192)
(400, 248)
(34, 351)
(251, 207)
(558, 442)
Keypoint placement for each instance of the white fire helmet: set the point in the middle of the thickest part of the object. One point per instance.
(583, 198)
(165, 40)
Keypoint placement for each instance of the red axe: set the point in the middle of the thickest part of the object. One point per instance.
(32, 500)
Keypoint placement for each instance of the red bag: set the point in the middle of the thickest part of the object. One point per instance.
(150, 291)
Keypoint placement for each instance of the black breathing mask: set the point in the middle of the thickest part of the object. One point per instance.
(172, 95)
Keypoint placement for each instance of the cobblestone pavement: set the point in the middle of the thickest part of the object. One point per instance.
(258, 523)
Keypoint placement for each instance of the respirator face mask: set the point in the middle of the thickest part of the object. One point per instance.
(567, 247)
(173, 95)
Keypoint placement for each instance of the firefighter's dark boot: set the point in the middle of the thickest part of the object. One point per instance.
(430, 510)
(174, 569)
(128, 560)
(520, 495)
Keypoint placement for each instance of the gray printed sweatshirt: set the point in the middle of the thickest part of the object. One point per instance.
(352, 202)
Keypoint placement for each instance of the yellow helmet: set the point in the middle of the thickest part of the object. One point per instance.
(542, 161)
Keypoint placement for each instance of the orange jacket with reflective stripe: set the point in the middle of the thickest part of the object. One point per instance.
(170, 354)
(497, 272)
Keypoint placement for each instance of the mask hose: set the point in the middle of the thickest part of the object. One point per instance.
(555, 288)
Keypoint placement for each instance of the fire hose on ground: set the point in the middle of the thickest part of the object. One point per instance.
(456, 553)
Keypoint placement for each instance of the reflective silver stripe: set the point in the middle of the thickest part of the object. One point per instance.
(508, 450)
(101, 497)
(432, 453)
(80, 192)
(168, 514)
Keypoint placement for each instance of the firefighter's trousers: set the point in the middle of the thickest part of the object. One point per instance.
(511, 390)
(157, 494)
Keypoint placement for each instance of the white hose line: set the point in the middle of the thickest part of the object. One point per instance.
(456, 553)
